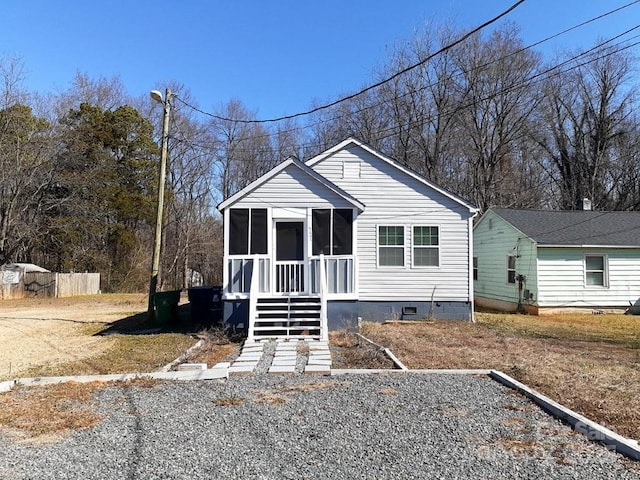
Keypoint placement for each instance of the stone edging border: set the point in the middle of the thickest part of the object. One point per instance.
(592, 430)
(387, 352)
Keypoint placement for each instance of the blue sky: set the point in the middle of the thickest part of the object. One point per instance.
(276, 56)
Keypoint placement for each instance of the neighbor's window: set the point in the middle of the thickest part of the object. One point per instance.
(391, 246)
(595, 270)
(475, 268)
(511, 269)
(332, 231)
(426, 247)
(247, 231)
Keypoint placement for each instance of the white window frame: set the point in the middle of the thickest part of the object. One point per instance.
(605, 270)
(414, 246)
(403, 246)
(515, 280)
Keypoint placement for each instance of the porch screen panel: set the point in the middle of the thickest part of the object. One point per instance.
(238, 231)
(321, 231)
(342, 232)
(258, 230)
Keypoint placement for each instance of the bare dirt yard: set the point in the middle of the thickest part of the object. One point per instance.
(62, 336)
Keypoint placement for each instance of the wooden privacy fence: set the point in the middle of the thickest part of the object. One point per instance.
(49, 284)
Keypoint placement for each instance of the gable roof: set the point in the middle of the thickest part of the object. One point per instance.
(279, 168)
(575, 227)
(352, 141)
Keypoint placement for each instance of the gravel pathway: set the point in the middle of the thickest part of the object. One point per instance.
(396, 426)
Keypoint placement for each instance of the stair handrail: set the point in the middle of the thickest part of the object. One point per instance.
(324, 322)
(253, 297)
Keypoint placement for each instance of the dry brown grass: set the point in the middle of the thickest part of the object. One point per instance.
(350, 351)
(589, 363)
(228, 401)
(216, 347)
(126, 354)
(48, 411)
(270, 398)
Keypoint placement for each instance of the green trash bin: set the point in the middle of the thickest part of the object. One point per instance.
(166, 304)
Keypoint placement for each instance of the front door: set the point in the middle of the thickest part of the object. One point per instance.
(290, 267)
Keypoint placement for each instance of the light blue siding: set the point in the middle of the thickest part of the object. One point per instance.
(493, 240)
(555, 276)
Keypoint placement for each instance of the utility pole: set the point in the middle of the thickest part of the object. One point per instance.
(157, 245)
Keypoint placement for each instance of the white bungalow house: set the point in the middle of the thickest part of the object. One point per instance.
(545, 261)
(350, 233)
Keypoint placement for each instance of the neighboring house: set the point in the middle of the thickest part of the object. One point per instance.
(350, 233)
(541, 261)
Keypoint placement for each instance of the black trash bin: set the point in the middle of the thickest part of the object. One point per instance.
(206, 305)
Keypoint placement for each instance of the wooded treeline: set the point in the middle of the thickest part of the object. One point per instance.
(489, 119)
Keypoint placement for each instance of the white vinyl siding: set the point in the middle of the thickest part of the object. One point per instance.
(392, 197)
(292, 188)
(562, 273)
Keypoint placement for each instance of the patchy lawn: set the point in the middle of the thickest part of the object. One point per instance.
(589, 363)
(50, 337)
(348, 350)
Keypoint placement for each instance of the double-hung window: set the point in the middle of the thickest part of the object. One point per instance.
(595, 270)
(426, 246)
(390, 246)
(511, 269)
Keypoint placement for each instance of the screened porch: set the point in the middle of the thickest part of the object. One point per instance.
(288, 253)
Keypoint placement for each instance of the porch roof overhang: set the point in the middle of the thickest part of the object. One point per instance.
(279, 168)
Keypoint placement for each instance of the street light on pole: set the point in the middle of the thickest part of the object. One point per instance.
(157, 245)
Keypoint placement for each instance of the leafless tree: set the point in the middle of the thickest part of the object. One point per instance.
(26, 170)
(586, 119)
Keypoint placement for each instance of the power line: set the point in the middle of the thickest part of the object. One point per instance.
(370, 87)
(411, 67)
(308, 125)
(391, 130)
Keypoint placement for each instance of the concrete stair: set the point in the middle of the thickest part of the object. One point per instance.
(285, 358)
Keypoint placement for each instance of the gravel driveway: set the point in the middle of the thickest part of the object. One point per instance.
(304, 427)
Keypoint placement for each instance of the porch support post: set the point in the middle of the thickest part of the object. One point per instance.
(324, 321)
(253, 298)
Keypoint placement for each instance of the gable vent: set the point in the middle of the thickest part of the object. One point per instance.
(350, 169)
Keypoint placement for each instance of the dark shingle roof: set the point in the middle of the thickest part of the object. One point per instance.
(576, 227)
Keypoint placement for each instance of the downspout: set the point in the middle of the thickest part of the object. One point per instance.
(470, 268)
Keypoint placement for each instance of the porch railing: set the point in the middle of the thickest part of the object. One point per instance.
(302, 276)
(241, 271)
(290, 277)
(340, 274)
